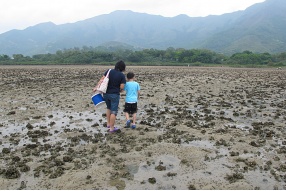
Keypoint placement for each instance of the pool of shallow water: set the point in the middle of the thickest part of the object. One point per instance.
(57, 123)
(177, 176)
(174, 175)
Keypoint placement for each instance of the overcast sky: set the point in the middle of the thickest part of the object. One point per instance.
(20, 14)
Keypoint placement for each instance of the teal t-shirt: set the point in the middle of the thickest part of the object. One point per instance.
(131, 89)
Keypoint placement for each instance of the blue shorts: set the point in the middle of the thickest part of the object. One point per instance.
(112, 102)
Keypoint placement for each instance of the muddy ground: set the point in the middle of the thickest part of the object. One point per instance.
(198, 128)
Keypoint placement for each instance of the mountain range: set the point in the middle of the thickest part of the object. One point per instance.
(259, 28)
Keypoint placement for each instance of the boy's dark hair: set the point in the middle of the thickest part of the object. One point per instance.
(130, 75)
(120, 65)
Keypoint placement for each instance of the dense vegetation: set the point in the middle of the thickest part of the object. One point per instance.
(170, 56)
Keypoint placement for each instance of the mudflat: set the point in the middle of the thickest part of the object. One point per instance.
(198, 128)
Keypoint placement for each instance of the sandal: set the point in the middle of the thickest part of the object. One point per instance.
(114, 130)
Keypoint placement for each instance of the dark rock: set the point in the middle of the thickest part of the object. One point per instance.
(29, 126)
(12, 173)
(6, 150)
(152, 180)
(11, 113)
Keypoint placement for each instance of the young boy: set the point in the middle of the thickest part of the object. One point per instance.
(132, 89)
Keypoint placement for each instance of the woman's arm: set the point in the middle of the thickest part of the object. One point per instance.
(99, 82)
(122, 87)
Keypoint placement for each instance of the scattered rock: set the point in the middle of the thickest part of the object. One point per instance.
(152, 180)
(11, 113)
(6, 150)
(12, 173)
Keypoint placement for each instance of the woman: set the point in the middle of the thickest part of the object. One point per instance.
(116, 84)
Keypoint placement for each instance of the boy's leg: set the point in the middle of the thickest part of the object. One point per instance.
(134, 111)
(134, 118)
(133, 126)
(127, 119)
(127, 110)
(127, 116)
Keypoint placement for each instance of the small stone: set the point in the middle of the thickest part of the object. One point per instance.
(152, 180)
(11, 113)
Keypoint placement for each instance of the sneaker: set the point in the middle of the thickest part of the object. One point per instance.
(133, 126)
(128, 122)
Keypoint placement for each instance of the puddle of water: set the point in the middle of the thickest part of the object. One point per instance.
(148, 170)
(262, 180)
(23, 108)
(132, 169)
(241, 126)
(56, 124)
(200, 144)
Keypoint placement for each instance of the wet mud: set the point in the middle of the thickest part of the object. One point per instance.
(197, 128)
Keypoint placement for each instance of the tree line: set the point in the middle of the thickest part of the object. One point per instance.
(175, 56)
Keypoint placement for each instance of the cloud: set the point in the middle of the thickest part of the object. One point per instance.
(20, 14)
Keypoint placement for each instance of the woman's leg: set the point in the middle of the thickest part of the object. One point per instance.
(108, 112)
(113, 110)
(112, 121)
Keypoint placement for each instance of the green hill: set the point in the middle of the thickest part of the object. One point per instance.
(260, 28)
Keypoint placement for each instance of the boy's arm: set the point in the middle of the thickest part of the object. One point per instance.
(138, 93)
